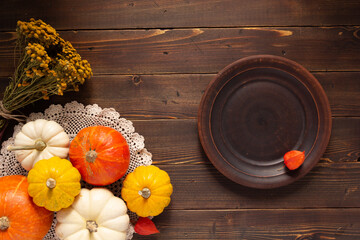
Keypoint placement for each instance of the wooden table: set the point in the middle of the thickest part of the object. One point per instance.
(152, 61)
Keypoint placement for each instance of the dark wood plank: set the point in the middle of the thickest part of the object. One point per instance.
(176, 148)
(304, 224)
(144, 75)
(203, 187)
(94, 14)
(178, 95)
(344, 144)
(137, 97)
(343, 92)
(333, 183)
(204, 50)
(176, 141)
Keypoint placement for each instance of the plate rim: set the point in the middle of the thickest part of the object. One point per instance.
(321, 101)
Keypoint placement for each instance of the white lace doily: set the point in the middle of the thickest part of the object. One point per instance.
(73, 117)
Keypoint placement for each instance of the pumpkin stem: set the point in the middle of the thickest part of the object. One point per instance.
(51, 183)
(4, 223)
(90, 156)
(38, 145)
(145, 193)
(91, 225)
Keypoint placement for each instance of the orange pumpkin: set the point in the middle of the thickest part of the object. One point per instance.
(20, 218)
(101, 154)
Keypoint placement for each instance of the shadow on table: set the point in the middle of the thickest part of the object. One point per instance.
(298, 194)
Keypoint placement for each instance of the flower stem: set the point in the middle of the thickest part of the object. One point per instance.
(4, 223)
(39, 145)
(145, 193)
(51, 183)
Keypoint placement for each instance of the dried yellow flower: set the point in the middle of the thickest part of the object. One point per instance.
(48, 65)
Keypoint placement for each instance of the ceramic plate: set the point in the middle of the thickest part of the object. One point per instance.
(257, 109)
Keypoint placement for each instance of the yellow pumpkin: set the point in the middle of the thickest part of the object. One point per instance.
(147, 191)
(54, 183)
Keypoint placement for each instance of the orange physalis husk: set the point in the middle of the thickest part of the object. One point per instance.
(294, 159)
(144, 226)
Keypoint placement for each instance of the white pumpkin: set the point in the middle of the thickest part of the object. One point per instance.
(95, 215)
(40, 139)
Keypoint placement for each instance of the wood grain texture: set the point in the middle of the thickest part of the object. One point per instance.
(176, 141)
(343, 92)
(204, 50)
(175, 146)
(178, 95)
(304, 224)
(334, 182)
(110, 14)
(204, 187)
(152, 61)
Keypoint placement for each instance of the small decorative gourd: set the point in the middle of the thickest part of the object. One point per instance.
(95, 214)
(40, 139)
(54, 183)
(101, 154)
(20, 218)
(147, 191)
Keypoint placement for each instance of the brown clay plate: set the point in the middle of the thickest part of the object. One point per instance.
(257, 109)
